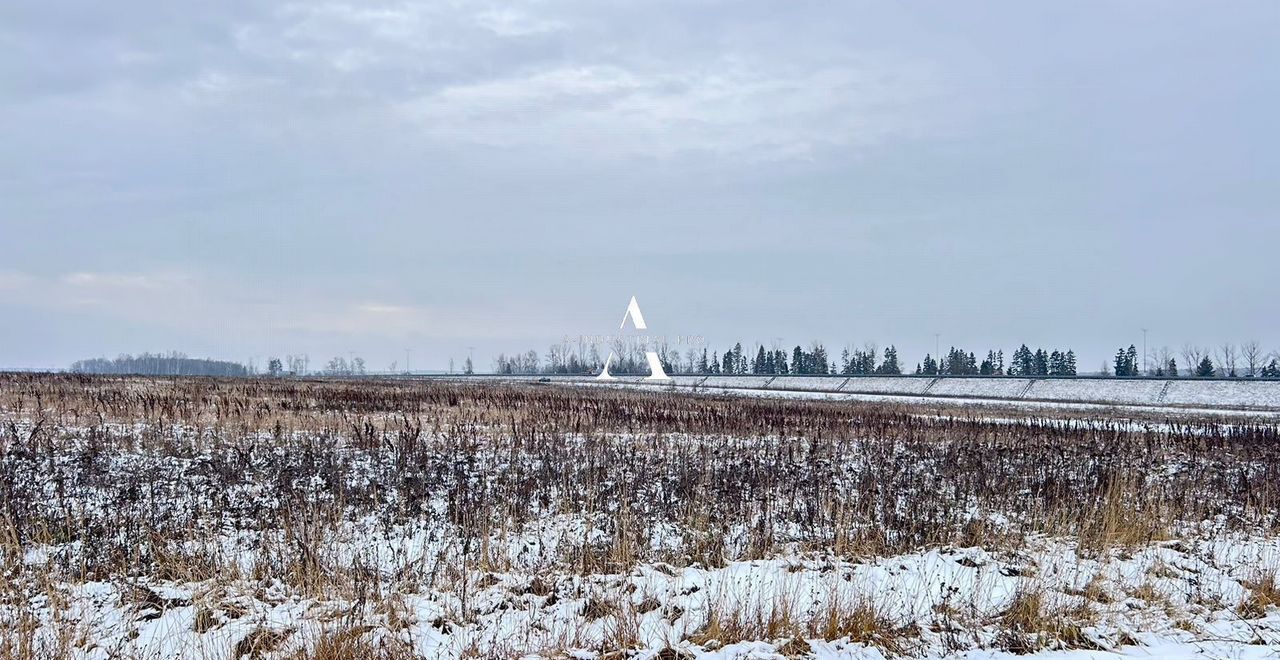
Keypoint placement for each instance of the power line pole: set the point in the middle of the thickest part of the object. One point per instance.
(1145, 370)
(407, 353)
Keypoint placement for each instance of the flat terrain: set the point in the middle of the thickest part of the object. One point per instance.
(308, 518)
(1256, 395)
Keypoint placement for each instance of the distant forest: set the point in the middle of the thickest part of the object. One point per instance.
(155, 364)
(1247, 360)
(814, 360)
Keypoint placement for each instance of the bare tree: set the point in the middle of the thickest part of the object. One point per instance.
(1191, 356)
(1227, 359)
(1161, 357)
(691, 357)
(557, 356)
(1251, 352)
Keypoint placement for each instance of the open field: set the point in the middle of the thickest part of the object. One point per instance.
(206, 518)
(1196, 394)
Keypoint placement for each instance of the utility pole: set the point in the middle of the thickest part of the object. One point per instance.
(407, 353)
(1145, 371)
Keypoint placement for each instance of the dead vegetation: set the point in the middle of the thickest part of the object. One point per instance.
(131, 477)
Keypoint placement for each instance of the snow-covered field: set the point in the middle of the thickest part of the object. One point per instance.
(292, 519)
(1191, 599)
(1240, 394)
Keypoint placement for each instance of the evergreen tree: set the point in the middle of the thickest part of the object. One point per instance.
(1131, 359)
(819, 359)
(1023, 363)
(930, 366)
(1055, 363)
(1040, 363)
(890, 364)
(1205, 368)
(758, 365)
(1171, 370)
(798, 361)
(1069, 363)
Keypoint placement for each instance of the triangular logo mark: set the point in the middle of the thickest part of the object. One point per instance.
(656, 371)
(633, 311)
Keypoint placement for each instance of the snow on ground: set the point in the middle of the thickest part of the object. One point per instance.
(1239, 394)
(979, 403)
(1176, 599)
(397, 571)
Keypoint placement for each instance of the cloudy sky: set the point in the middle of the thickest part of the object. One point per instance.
(239, 179)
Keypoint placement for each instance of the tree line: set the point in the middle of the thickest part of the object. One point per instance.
(1024, 362)
(1248, 360)
(157, 364)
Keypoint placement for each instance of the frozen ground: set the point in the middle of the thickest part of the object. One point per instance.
(979, 405)
(1187, 598)
(1238, 394)
(309, 519)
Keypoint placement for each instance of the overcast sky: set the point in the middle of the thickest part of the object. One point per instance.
(239, 179)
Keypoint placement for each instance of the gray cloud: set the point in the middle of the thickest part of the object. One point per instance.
(365, 176)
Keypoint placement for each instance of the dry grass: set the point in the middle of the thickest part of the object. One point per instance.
(147, 477)
(1264, 593)
(1030, 623)
(861, 622)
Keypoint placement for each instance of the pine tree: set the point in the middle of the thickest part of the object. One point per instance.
(1069, 363)
(1023, 363)
(1041, 363)
(1122, 363)
(890, 364)
(1131, 360)
(1205, 368)
(1171, 370)
(819, 359)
